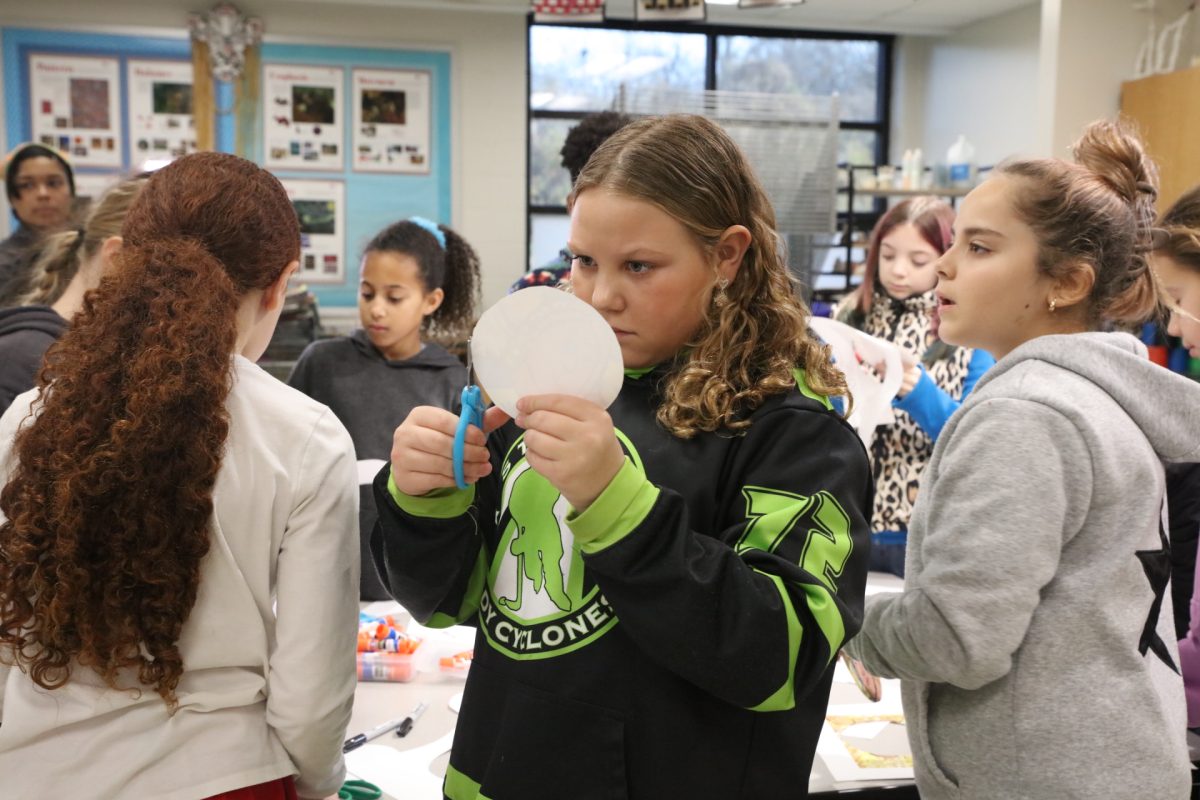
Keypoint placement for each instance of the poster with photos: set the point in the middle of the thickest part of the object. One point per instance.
(161, 126)
(391, 120)
(303, 117)
(321, 208)
(75, 106)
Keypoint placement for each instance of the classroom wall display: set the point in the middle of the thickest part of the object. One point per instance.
(161, 126)
(391, 113)
(303, 117)
(75, 106)
(321, 209)
(673, 10)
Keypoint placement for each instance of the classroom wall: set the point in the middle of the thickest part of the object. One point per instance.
(980, 81)
(488, 93)
(1088, 49)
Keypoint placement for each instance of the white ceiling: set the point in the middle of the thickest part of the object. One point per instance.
(929, 17)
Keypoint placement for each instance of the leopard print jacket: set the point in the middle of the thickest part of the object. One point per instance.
(900, 451)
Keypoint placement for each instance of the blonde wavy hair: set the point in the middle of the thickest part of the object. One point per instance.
(756, 330)
(65, 252)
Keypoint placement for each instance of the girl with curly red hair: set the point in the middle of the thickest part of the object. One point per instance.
(177, 528)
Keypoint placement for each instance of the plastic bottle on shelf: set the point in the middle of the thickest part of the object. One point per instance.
(960, 161)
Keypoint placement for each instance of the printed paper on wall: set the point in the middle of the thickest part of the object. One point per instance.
(75, 107)
(321, 209)
(303, 117)
(391, 120)
(161, 125)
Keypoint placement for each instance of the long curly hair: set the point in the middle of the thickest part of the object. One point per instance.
(454, 269)
(756, 331)
(109, 505)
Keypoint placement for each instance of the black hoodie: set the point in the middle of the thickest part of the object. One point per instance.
(26, 333)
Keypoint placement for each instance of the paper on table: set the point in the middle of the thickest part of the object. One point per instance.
(872, 397)
(542, 340)
(401, 773)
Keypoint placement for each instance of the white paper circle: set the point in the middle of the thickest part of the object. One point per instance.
(542, 340)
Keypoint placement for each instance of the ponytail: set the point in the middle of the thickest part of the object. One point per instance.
(54, 269)
(453, 319)
(109, 507)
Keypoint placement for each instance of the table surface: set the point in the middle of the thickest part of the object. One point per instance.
(377, 703)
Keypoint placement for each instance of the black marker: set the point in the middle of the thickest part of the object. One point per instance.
(401, 726)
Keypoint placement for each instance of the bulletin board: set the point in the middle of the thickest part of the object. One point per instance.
(88, 104)
(372, 200)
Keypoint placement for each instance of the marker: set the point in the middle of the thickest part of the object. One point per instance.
(401, 726)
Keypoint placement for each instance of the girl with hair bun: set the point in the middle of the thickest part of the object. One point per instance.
(71, 264)
(1034, 639)
(177, 526)
(419, 281)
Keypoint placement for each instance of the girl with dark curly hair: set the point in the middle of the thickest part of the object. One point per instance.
(419, 281)
(176, 526)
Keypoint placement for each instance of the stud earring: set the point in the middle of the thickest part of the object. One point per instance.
(1053, 303)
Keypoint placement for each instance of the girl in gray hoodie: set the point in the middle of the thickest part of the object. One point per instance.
(1034, 636)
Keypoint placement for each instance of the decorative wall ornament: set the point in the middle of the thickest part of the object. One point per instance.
(228, 33)
(568, 10)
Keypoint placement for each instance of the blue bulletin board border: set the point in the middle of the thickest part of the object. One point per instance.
(373, 200)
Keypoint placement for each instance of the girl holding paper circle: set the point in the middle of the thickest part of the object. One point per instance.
(661, 586)
(417, 280)
(1034, 638)
(900, 307)
(177, 525)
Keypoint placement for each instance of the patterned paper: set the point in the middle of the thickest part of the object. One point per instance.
(568, 10)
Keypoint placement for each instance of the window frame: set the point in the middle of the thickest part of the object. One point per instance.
(880, 126)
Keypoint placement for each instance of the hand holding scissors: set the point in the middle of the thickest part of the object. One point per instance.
(423, 447)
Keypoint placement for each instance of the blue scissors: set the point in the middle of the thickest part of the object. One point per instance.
(471, 414)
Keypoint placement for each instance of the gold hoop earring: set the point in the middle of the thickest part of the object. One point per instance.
(1053, 303)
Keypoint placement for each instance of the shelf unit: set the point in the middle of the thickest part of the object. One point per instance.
(854, 218)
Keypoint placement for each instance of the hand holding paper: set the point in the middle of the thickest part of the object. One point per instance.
(872, 395)
(571, 443)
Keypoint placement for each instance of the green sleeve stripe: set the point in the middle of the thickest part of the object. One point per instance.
(829, 619)
(438, 504)
(806, 390)
(618, 510)
(459, 787)
(784, 697)
(470, 601)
